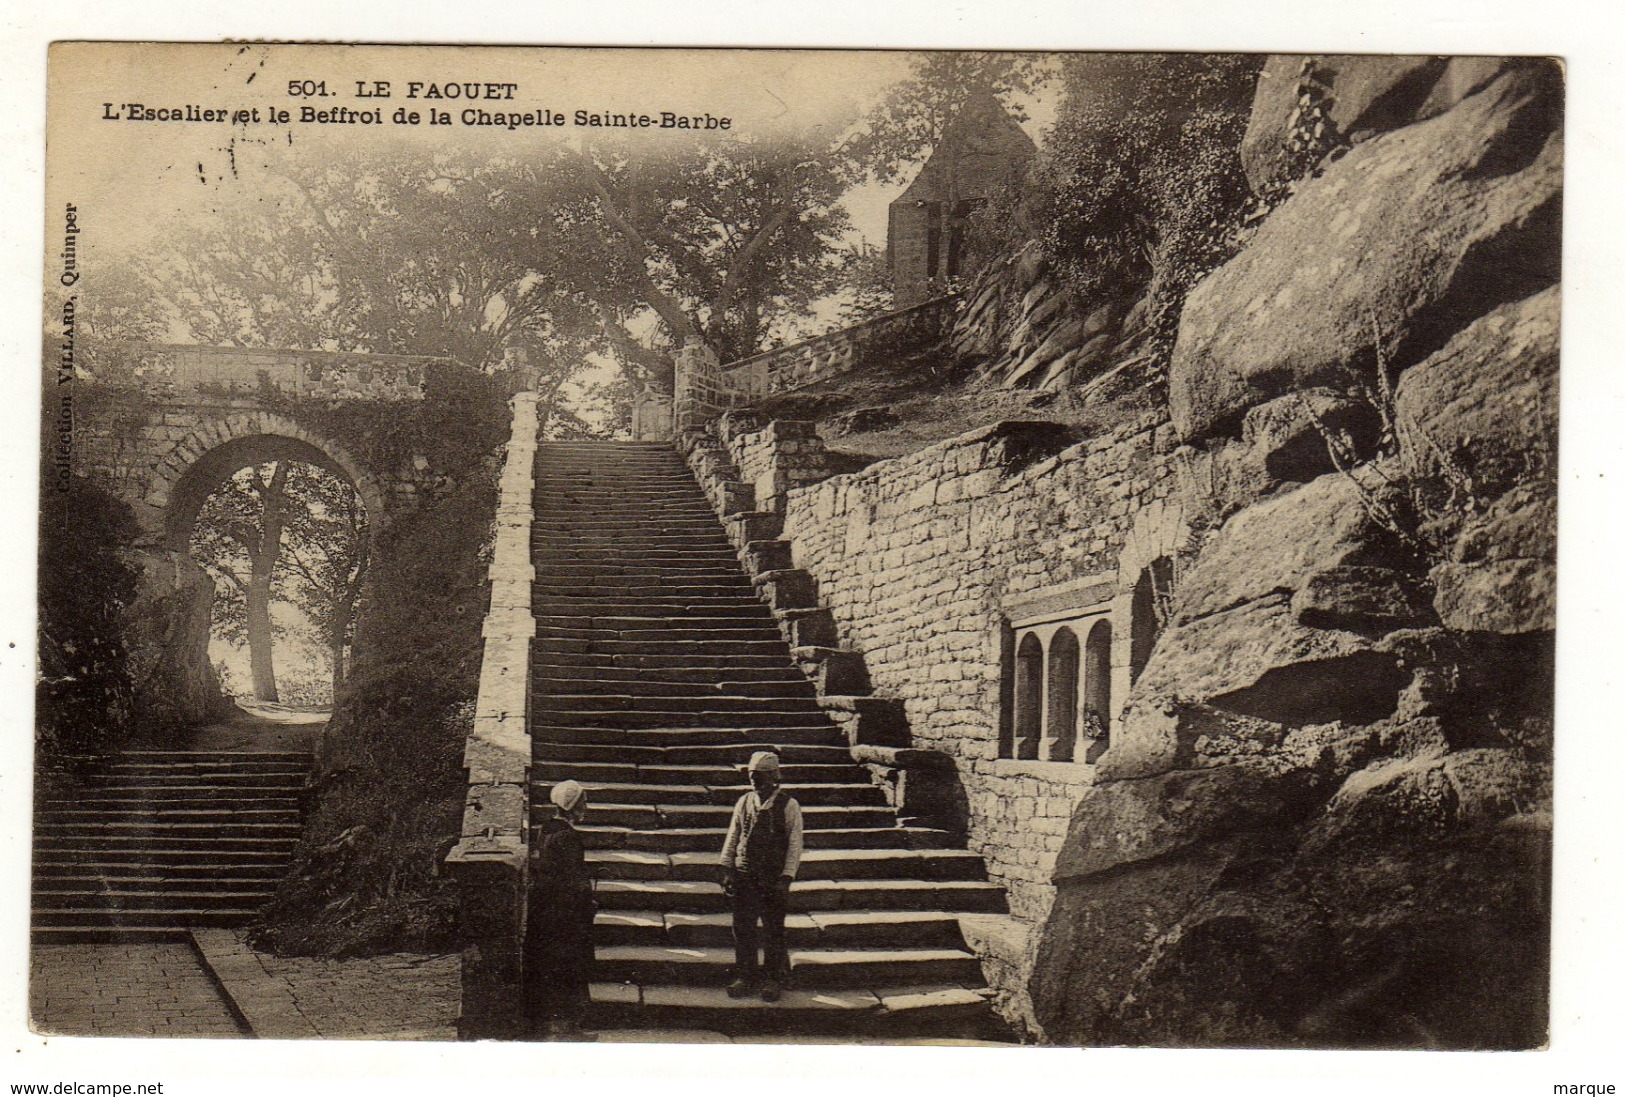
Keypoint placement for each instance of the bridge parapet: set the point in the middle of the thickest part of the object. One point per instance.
(181, 372)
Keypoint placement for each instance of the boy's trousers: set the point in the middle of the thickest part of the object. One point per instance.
(758, 901)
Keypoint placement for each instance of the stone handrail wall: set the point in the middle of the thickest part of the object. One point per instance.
(310, 374)
(813, 360)
(489, 859)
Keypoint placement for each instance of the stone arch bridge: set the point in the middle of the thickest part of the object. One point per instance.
(199, 414)
(193, 417)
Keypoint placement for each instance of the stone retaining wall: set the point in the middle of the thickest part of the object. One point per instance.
(921, 559)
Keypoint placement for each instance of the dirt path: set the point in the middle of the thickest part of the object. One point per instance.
(261, 726)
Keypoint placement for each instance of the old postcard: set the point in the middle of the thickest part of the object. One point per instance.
(789, 545)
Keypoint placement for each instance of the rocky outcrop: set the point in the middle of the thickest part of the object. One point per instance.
(1393, 249)
(1029, 330)
(166, 631)
(1325, 816)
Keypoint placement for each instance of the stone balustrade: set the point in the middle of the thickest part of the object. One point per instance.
(813, 360)
(307, 374)
(489, 860)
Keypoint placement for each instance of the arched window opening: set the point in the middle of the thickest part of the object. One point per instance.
(1062, 730)
(1029, 696)
(1153, 601)
(1097, 690)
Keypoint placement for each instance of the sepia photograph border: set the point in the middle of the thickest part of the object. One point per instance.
(1588, 895)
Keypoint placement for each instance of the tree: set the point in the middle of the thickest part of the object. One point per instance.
(408, 253)
(238, 540)
(1140, 182)
(908, 122)
(284, 531)
(721, 241)
(326, 557)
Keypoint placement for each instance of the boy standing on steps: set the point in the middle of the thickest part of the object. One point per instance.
(759, 861)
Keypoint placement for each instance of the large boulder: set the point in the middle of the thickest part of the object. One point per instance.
(1359, 97)
(1433, 933)
(1478, 421)
(1275, 545)
(1484, 406)
(1402, 242)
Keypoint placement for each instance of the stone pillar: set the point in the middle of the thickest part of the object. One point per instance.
(697, 397)
(491, 907)
(651, 415)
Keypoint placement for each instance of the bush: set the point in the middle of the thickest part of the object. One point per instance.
(84, 690)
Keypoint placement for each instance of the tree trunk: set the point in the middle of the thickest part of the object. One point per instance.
(262, 566)
(337, 648)
(259, 636)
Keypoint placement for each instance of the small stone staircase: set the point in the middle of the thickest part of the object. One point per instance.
(657, 671)
(147, 845)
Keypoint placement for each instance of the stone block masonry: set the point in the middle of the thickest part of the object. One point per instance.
(919, 559)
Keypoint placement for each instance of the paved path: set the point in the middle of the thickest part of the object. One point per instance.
(157, 989)
(165, 989)
(401, 996)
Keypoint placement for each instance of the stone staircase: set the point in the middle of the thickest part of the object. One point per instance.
(147, 845)
(657, 671)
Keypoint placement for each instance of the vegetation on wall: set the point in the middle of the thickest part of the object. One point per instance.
(1140, 181)
(387, 789)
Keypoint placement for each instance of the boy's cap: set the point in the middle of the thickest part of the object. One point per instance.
(567, 794)
(764, 761)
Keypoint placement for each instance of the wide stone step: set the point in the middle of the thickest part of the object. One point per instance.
(659, 816)
(579, 703)
(153, 828)
(938, 1011)
(696, 651)
(630, 772)
(690, 966)
(685, 753)
(222, 857)
(125, 792)
(281, 772)
(76, 812)
(711, 572)
(814, 929)
(164, 811)
(808, 895)
(206, 838)
(174, 896)
(556, 591)
(710, 839)
(704, 688)
(710, 538)
(229, 757)
(816, 864)
(245, 784)
(649, 505)
(644, 629)
(603, 559)
(141, 917)
(682, 667)
(780, 735)
(847, 794)
(617, 613)
(78, 873)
